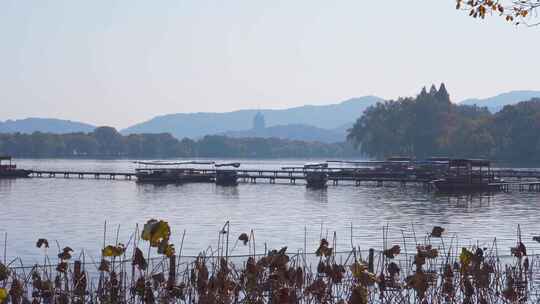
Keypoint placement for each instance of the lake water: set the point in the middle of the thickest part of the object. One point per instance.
(73, 212)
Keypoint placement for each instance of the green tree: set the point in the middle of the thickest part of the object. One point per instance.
(110, 142)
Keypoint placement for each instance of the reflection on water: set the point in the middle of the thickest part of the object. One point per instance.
(316, 195)
(465, 201)
(5, 184)
(231, 193)
(73, 212)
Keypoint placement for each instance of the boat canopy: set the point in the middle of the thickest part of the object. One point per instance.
(469, 162)
(160, 163)
(399, 159)
(439, 159)
(235, 165)
(5, 157)
(316, 165)
(370, 162)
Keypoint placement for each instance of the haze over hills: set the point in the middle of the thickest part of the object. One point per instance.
(195, 125)
(497, 102)
(294, 132)
(45, 125)
(325, 123)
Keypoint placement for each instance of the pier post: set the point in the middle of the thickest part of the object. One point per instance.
(172, 272)
(370, 260)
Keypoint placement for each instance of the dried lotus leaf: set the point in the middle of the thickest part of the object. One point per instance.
(155, 232)
(139, 260)
(113, 251)
(42, 242)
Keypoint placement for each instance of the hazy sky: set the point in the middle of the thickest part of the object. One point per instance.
(121, 62)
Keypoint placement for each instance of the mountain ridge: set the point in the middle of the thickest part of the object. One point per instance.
(497, 102)
(325, 120)
(195, 125)
(45, 125)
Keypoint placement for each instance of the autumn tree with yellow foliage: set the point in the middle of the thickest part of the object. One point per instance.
(514, 11)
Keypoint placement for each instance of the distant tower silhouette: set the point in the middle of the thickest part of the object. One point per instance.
(258, 121)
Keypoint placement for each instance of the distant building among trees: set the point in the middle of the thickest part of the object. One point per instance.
(258, 122)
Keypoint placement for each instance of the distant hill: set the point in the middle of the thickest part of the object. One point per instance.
(496, 103)
(195, 125)
(293, 132)
(45, 125)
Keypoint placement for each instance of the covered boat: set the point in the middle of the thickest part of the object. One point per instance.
(173, 172)
(226, 177)
(316, 175)
(468, 175)
(9, 170)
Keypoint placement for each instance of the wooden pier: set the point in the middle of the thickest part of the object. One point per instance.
(513, 173)
(519, 180)
(82, 174)
(246, 176)
(529, 186)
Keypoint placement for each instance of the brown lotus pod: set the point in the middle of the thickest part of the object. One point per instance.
(62, 267)
(393, 269)
(392, 252)
(139, 260)
(437, 231)
(244, 238)
(104, 265)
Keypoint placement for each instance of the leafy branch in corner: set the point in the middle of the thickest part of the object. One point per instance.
(513, 11)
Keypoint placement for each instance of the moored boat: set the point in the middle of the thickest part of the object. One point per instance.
(226, 177)
(468, 175)
(10, 169)
(316, 175)
(173, 172)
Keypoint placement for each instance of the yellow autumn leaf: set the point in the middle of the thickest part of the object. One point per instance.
(166, 248)
(112, 251)
(107, 251)
(3, 295)
(465, 256)
(147, 229)
(358, 269)
(155, 232)
(169, 250)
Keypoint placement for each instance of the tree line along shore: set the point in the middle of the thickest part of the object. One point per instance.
(107, 142)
